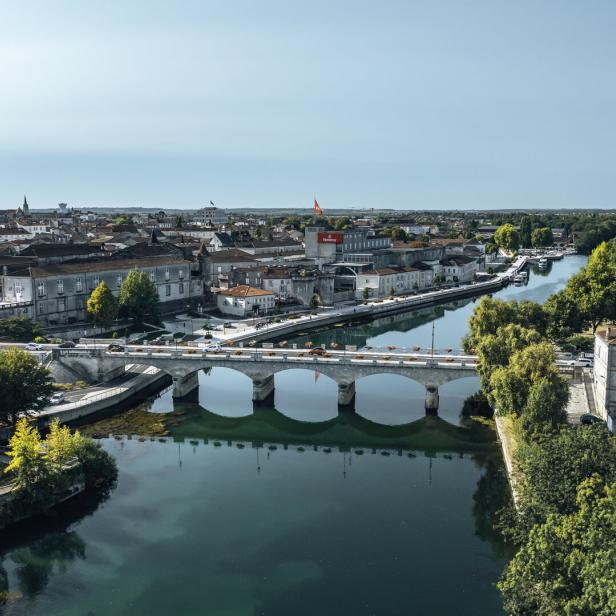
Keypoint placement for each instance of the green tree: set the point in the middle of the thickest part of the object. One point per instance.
(507, 236)
(138, 296)
(545, 408)
(495, 350)
(19, 329)
(437, 280)
(315, 301)
(542, 237)
(563, 315)
(525, 231)
(343, 222)
(25, 384)
(552, 468)
(509, 386)
(26, 456)
(398, 234)
(60, 446)
(568, 565)
(365, 294)
(102, 306)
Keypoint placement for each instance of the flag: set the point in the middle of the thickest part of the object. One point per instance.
(211, 202)
(317, 208)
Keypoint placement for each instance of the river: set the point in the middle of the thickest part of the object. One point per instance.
(289, 509)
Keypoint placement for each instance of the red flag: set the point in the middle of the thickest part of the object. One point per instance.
(317, 208)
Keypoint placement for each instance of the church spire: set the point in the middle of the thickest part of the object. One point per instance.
(25, 208)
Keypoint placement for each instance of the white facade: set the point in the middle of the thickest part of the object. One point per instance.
(604, 375)
(210, 216)
(245, 301)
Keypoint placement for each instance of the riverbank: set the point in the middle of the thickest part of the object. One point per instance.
(374, 309)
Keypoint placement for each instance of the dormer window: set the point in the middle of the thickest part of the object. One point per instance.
(181, 274)
(78, 285)
(60, 286)
(167, 274)
(152, 277)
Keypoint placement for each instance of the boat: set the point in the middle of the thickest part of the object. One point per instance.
(543, 263)
(519, 279)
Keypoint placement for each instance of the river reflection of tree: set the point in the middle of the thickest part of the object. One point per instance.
(38, 547)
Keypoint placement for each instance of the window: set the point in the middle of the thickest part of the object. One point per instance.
(167, 290)
(152, 277)
(167, 274)
(181, 274)
(181, 288)
(40, 289)
(60, 286)
(97, 281)
(78, 286)
(62, 304)
(119, 280)
(41, 308)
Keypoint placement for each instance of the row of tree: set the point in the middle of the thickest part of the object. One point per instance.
(138, 299)
(566, 511)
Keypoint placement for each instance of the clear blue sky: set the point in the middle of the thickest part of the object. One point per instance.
(407, 104)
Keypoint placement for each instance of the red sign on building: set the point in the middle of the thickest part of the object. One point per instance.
(330, 237)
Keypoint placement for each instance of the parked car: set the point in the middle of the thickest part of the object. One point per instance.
(581, 362)
(69, 344)
(588, 420)
(57, 398)
(116, 348)
(33, 346)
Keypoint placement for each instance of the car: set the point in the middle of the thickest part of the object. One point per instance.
(588, 420)
(115, 348)
(317, 351)
(581, 362)
(33, 346)
(211, 347)
(69, 344)
(57, 398)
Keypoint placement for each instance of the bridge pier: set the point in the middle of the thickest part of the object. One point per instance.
(182, 386)
(346, 396)
(262, 388)
(431, 398)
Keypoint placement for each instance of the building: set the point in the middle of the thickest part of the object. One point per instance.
(458, 268)
(331, 246)
(604, 374)
(210, 216)
(383, 282)
(245, 301)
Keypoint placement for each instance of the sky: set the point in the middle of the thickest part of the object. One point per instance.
(435, 104)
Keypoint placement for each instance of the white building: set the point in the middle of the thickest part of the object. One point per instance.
(380, 282)
(458, 268)
(244, 301)
(604, 374)
(210, 216)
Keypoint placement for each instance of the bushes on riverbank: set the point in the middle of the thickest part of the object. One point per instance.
(44, 471)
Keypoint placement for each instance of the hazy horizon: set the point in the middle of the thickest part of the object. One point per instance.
(397, 105)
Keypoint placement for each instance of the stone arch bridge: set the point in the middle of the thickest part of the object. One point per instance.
(184, 363)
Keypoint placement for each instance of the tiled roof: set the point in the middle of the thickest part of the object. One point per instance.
(244, 291)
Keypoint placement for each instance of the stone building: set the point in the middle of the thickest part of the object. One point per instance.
(604, 374)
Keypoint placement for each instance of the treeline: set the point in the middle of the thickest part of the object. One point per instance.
(565, 522)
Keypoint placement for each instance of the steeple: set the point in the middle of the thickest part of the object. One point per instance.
(153, 237)
(25, 208)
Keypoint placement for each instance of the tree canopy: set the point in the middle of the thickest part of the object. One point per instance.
(542, 236)
(507, 236)
(25, 384)
(102, 306)
(138, 296)
(568, 564)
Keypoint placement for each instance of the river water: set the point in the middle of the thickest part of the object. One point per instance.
(287, 509)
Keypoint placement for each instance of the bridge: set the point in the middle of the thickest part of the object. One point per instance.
(183, 364)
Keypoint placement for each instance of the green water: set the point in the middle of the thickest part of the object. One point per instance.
(289, 509)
